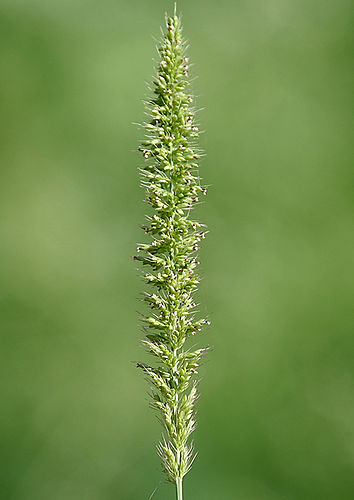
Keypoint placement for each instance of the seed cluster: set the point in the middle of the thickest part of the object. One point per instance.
(170, 177)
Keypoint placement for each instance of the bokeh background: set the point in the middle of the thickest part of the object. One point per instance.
(276, 415)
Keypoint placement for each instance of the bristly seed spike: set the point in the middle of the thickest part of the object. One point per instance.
(169, 176)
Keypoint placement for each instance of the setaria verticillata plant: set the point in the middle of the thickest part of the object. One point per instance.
(170, 178)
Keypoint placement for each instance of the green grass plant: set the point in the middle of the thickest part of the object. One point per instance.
(170, 177)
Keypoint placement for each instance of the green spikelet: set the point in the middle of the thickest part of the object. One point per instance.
(172, 185)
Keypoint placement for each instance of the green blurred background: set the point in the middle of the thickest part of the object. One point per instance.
(276, 416)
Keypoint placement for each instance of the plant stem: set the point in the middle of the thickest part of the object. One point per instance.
(179, 485)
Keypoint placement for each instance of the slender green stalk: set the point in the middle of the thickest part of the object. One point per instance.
(170, 177)
(179, 484)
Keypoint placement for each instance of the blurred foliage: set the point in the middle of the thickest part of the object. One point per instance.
(277, 411)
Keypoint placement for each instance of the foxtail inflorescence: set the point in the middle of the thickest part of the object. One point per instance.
(172, 184)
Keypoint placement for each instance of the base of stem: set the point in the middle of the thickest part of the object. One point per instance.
(179, 486)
